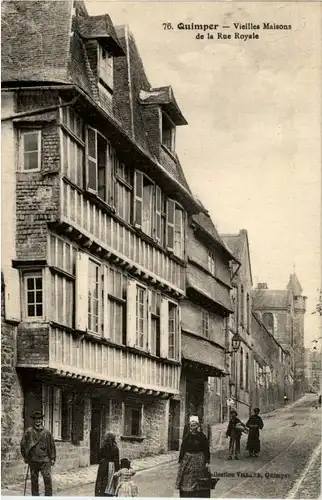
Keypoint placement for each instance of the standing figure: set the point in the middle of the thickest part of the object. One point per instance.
(39, 452)
(109, 463)
(254, 424)
(125, 487)
(194, 459)
(234, 432)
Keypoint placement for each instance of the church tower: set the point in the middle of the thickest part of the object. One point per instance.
(299, 301)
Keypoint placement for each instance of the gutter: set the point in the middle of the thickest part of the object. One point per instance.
(136, 146)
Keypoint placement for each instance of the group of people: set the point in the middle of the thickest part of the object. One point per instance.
(194, 454)
(114, 476)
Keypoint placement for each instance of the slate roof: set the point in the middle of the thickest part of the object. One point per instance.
(271, 299)
(35, 40)
(100, 28)
(234, 242)
(164, 96)
(294, 285)
(205, 222)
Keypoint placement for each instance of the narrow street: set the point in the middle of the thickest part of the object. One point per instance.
(288, 442)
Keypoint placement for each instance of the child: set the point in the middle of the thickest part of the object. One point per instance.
(126, 487)
(234, 432)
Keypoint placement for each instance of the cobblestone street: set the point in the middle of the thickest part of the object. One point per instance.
(288, 440)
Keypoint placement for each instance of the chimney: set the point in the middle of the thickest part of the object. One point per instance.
(262, 286)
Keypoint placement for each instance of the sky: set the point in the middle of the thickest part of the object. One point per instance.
(251, 150)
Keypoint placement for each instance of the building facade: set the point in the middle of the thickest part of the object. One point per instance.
(239, 363)
(204, 316)
(94, 254)
(282, 313)
(313, 370)
(270, 369)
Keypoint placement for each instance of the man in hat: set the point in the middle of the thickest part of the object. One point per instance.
(39, 452)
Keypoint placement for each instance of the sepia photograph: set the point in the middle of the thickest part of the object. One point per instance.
(161, 286)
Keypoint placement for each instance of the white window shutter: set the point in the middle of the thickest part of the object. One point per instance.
(157, 223)
(57, 412)
(106, 329)
(149, 325)
(170, 224)
(131, 313)
(164, 328)
(82, 291)
(179, 333)
(12, 294)
(138, 199)
(91, 160)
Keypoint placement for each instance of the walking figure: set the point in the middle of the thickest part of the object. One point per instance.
(234, 431)
(255, 424)
(39, 452)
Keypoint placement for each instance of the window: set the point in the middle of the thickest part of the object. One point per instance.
(205, 323)
(93, 297)
(241, 368)
(34, 295)
(141, 317)
(143, 217)
(218, 386)
(132, 418)
(242, 305)
(168, 133)
(268, 320)
(179, 232)
(31, 150)
(52, 397)
(73, 146)
(247, 372)
(100, 161)
(173, 330)
(155, 323)
(211, 263)
(62, 299)
(64, 413)
(123, 191)
(116, 289)
(248, 311)
(106, 68)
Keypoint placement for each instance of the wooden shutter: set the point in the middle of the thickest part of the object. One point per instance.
(67, 415)
(57, 412)
(91, 160)
(179, 333)
(106, 329)
(138, 199)
(164, 328)
(158, 207)
(178, 232)
(78, 419)
(81, 291)
(149, 322)
(170, 224)
(12, 299)
(131, 313)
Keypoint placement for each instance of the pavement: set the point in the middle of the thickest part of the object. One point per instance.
(286, 468)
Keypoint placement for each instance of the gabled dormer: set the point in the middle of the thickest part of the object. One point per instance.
(170, 115)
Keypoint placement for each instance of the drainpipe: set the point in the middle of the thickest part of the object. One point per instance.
(39, 110)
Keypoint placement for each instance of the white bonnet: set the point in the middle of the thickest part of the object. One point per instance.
(194, 418)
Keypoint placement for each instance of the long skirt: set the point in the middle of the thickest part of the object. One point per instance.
(104, 478)
(190, 470)
(253, 441)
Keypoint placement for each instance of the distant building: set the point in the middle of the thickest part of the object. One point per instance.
(313, 369)
(282, 313)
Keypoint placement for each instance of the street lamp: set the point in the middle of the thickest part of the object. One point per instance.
(235, 342)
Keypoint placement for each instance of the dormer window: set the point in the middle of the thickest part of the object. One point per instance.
(106, 68)
(168, 133)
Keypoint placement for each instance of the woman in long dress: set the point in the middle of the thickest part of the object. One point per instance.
(254, 424)
(194, 457)
(109, 463)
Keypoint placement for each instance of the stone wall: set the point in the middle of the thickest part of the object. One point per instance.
(11, 406)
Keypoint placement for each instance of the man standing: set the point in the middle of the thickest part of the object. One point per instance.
(39, 452)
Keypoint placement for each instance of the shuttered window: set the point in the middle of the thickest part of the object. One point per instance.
(170, 224)
(52, 402)
(158, 209)
(179, 232)
(91, 160)
(138, 199)
(133, 419)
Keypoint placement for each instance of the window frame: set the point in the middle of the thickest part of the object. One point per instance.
(130, 406)
(211, 262)
(38, 273)
(22, 133)
(146, 332)
(106, 83)
(99, 297)
(172, 128)
(205, 319)
(177, 332)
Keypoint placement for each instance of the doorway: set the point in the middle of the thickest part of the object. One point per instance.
(174, 425)
(97, 430)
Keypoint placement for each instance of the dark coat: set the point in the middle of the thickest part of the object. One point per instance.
(231, 429)
(38, 446)
(194, 443)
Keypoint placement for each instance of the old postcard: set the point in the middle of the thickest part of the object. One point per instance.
(161, 261)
